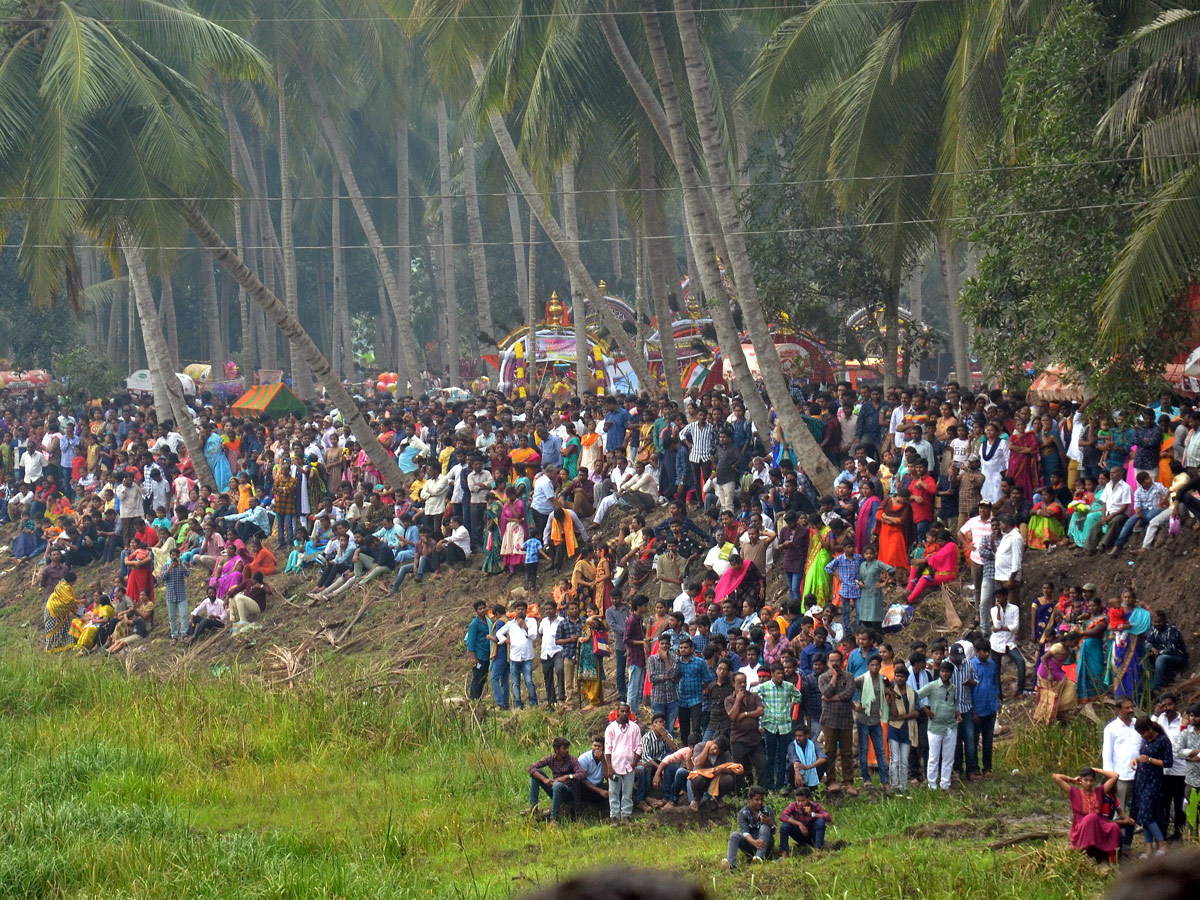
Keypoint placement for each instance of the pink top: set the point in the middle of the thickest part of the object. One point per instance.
(623, 745)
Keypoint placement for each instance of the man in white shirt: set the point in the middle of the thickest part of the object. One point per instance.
(974, 530)
(519, 635)
(685, 603)
(542, 499)
(33, 461)
(1006, 619)
(1122, 743)
(1118, 506)
(1010, 550)
(1173, 724)
(552, 655)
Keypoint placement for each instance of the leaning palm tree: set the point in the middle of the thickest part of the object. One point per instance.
(102, 134)
(1158, 119)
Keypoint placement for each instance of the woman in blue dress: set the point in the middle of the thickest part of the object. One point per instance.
(1090, 664)
(214, 452)
(1149, 807)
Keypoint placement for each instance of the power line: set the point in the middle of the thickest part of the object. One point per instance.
(800, 182)
(553, 14)
(608, 240)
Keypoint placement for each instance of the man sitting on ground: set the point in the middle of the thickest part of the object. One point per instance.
(565, 781)
(755, 833)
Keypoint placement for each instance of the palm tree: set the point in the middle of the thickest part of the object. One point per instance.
(446, 214)
(104, 135)
(1157, 117)
(483, 295)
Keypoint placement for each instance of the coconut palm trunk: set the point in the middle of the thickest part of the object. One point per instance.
(400, 302)
(949, 255)
(167, 317)
(570, 223)
(449, 288)
(614, 237)
(654, 225)
(567, 250)
(309, 352)
(483, 296)
(518, 245)
(212, 318)
(343, 345)
(531, 371)
(795, 431)
(301, 378)
(669, 126)
(406, 367)
(167, 387)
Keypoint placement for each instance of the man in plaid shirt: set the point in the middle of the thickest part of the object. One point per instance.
(569, 632)
(694, 674)
(845, 566)
(778, 697)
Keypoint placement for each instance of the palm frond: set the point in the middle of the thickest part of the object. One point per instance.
(1171, 142)
(1156, 263)
(103, 294)
(181, 37)
(1172, 45)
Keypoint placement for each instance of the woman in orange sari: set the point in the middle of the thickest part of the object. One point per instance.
(139, 562)
(1167, 453)
(895, 530)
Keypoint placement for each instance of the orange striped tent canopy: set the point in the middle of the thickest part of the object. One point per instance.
(276, 400)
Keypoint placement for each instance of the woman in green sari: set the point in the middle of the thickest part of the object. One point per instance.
(492, 562)
(591, 667)
(817, 581)
(570, 452)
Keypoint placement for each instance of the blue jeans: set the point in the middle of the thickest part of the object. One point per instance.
(522, 671)
(776, 746)
(287, 528)
(922, 529)
(794, 581)
(622, 684)
(972, 731)
(815, 836)
(177, 617)
(874, 733)
(637, 681)
(499, 676)
(1018, 660)
(646, 778)
(560, 792)
(670, 710)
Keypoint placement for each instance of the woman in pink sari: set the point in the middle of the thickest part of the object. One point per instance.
(937, 567)
(512, 530)
(864, 525)
(1024, 456)
(227, 574)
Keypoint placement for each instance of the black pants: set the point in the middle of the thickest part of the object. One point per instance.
(700, 473)
(752, 759)
(531, 575)
(206, 624)
(1174, 789)
(553, 673)
(689, 721)
(479, 680)
(332, 571)
(453, 555)
(918, 754)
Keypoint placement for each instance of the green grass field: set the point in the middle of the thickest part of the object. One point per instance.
(118, 786)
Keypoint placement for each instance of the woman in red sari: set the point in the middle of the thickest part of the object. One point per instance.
(896, 530)
(1092, 831)
(1024, 456)
(141, 577)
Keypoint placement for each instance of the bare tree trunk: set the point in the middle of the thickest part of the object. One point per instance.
(483, 296)
(379, 455)
(114, 330)
(406, 367)
(795, 430)
(383, 349)
(567, 250)
(167, 389)
(131, 333)
(453, 349)
(272, 262)
(916, 300)
(570, 223)
(614, 236)
(654, 223)
(518, 243)
(400, 302)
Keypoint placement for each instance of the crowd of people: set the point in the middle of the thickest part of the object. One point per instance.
(669, 555)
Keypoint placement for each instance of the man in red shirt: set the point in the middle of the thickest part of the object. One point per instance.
(923, 489)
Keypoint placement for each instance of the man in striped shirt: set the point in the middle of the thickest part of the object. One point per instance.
(700, 437)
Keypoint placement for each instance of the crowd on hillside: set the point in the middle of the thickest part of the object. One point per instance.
(648, 537)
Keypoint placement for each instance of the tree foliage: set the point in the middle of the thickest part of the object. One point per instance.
(1050, 210)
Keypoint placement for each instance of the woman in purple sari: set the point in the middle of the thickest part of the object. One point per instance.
(1125, 648)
